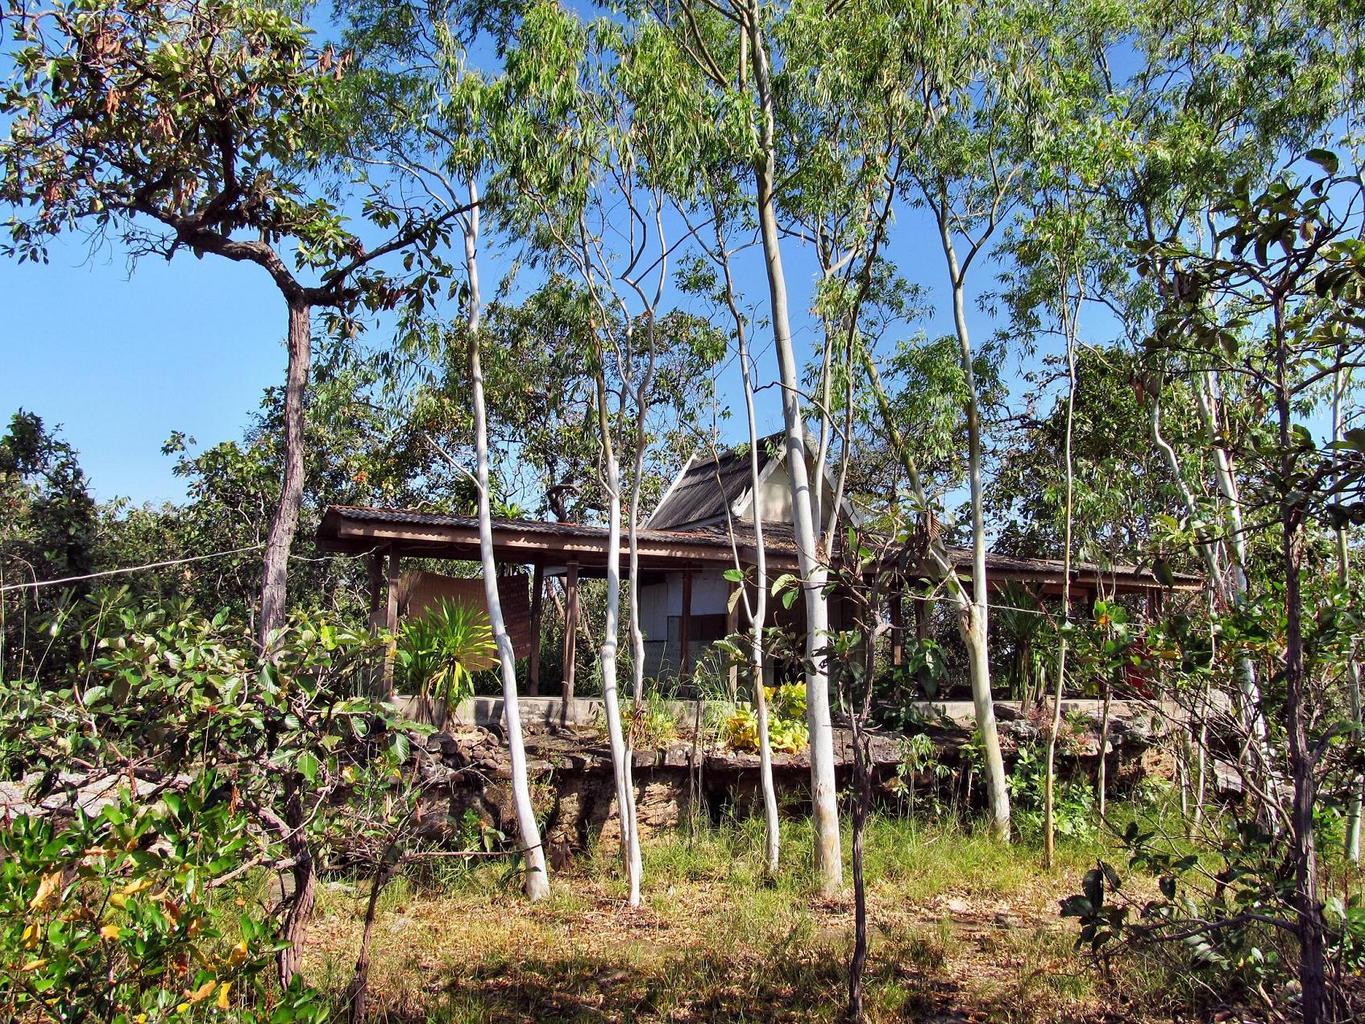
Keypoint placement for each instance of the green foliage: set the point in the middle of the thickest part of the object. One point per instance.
(788, 732)
(48, 525)
(1074, 807)
(653, 724)
(440, 651)
(275, 765)
(119, 916)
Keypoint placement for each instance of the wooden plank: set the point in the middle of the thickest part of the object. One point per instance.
(685, 627)
(570, 629)
(533, 655)
(422, 590)
(391, 620)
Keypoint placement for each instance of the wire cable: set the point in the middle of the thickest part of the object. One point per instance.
(134, 568)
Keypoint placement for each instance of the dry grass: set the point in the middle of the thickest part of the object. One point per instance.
(964, 929)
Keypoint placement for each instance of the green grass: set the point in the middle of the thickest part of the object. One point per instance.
(961, 924)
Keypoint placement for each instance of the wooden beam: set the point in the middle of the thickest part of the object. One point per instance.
(391, 619)
(731, 628)
(376, 594)
(533, 655)
(570, 632)
(897, 630)
(685, 626)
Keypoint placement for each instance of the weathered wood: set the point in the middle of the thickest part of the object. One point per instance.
(570, 629)
(391, 618)
(533, 655)
(731, 628)
(897, 631)
(376, 594)
(685, 627)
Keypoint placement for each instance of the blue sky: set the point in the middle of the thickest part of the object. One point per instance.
(121, 357)
(120, 361)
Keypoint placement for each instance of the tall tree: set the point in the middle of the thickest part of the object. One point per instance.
(204, 127)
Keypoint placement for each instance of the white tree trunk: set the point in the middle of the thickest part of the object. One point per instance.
(1253, 715)
(620, 753)
(758, 616)
(824, 804)
(1054, 727)
(537, 882)
(973, 624)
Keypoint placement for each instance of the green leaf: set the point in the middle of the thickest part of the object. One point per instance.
(1324, 158)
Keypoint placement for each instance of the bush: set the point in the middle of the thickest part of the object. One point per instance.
(114, 916)
(440, 651)
(787, 729)
(1074, 812)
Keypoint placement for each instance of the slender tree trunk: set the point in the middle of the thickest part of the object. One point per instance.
(274, 592)
(299, 907)
(1310, 925)
(759, 609)
(758, 617)
(973, 625)
(857, 965)
(1050, 779)
(1101, 774)
(360, 978)
(536, 882)
(1353, 802)
(1206, 393)
(620, 753)
(824, 805)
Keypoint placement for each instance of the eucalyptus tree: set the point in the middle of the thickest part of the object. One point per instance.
(971, 171)
(457, 129)
(186, 127)
(725, 292)
(598, 215)
(774, 80)
(1061, 257)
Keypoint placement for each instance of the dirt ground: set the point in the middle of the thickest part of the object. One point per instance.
(963, 930)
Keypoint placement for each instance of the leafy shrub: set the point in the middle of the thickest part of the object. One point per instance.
(787, 730)
(652, 724)
(440, 651)
(1074, 813)
(279, 764)
(113, 917)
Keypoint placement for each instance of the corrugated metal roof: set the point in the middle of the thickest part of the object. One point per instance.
(709, 486)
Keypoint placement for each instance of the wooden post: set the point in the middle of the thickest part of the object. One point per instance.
(685, 626)
(391, 621)
(731, 628)
(533, 655)
(897, 630)
(376, 585)
(570, 632)
(922, 631)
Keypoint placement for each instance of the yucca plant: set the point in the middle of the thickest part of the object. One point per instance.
(439, 652)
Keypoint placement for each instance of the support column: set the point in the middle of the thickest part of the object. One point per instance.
(570, 632)
(731, 628)
(376, 589)
(391, 620)
(922, 630)
(533, 655)
(897, 629)
(685, 627)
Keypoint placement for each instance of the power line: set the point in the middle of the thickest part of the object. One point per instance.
(134, 568)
